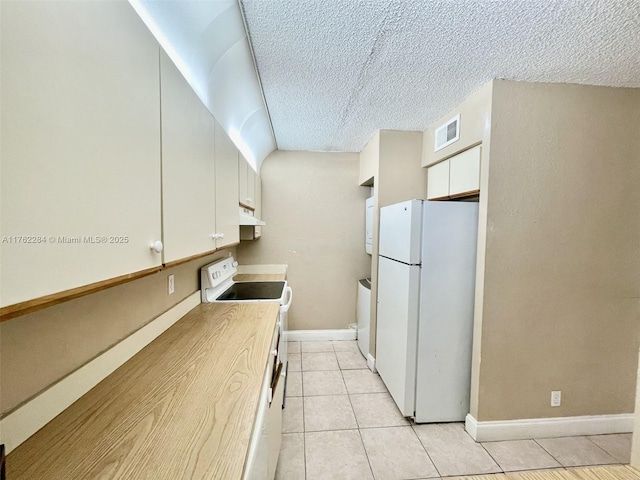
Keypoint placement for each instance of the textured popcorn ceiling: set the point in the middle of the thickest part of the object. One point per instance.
(334, 71)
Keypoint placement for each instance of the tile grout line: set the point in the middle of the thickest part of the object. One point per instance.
(413, 425)
(566, 467)
(340, 369)
(489, 453)
(304, 427)
(366, 454)
(604, 450)
(551, 454)
(304, 451)
(354, 414)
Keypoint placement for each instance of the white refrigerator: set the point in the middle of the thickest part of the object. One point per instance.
(426, 285)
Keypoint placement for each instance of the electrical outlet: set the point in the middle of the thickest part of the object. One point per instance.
(171, 286)
(556, 398)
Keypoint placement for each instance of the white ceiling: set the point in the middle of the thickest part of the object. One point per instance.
(334, 71)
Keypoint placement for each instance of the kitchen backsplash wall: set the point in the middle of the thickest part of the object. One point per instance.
(314, 211)
(38, 349)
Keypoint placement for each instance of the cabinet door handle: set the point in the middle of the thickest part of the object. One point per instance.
(156, 246)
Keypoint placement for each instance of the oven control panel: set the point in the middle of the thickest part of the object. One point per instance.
(214, 275)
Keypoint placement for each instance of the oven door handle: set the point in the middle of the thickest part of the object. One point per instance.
(285, 308)
(274, 383)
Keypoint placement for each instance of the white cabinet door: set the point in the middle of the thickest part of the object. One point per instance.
(258, 204)
(464, 172)
(266, 435)
(257, 464)
(188, 181)
(274, 425)
(80, 154)
(251, 187)
(438, 180)
(246, 183)
(226, 162)
(243, 172)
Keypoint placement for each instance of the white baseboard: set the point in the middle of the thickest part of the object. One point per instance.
(315, 335)
(548, 427)
(371, 363)
(20, 424)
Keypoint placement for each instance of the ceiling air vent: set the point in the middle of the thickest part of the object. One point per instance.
(448, 133)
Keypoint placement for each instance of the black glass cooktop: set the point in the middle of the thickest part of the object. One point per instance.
(253, 291)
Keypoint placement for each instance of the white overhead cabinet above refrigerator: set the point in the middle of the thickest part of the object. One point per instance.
(426, 283)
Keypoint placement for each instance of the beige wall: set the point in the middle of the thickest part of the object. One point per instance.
(314, 212)
(562, 261)
(475, 117)
(399, 177)
(39, 349)
(370, 160)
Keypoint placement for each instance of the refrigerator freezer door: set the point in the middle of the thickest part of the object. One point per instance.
(401, 231)
(397, 330)
(447, 291)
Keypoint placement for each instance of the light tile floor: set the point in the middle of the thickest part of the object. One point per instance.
(341, 423)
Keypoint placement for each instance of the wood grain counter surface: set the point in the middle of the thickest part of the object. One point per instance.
(182, 408)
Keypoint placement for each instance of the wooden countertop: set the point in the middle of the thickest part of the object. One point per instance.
(182, 408)
(260, 277)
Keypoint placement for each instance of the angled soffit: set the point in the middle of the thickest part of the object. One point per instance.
(207, 41)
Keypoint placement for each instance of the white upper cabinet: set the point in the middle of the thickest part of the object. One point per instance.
(251, 187)
(459, 176)
(464, 172)
(243, 172)
(226, 163)
(188, 171)
(258, 203)
(80, 186)
(438, 180)
(246, 183)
